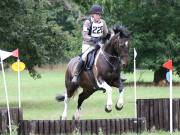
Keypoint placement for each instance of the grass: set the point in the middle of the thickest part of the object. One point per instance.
(38, 96)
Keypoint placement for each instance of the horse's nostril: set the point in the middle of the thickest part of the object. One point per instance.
(124, 65)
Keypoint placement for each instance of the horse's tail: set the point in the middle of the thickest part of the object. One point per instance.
(60, 98)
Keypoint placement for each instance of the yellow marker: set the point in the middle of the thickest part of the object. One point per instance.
(14, 66)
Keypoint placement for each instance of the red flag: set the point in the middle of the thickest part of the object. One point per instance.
(168, 65)
(15, 53)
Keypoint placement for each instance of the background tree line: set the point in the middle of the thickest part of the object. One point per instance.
(49, 31)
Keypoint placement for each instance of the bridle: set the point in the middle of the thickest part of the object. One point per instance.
(107, 56)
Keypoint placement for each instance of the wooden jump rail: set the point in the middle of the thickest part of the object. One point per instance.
(156, 113)
(16, 116)
(152, 114)
(102, 126)
(52, 127)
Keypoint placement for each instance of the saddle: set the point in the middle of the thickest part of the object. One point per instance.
(90, 59)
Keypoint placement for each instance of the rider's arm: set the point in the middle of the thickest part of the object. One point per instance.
(105, 29)
(86, 27)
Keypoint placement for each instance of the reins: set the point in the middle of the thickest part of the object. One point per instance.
(105, 54)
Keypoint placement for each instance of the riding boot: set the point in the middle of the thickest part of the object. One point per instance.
(78, 71)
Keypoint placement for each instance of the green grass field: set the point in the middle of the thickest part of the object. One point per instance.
(38, 96)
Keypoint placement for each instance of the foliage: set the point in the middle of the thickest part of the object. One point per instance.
(40, 30)
(49, 32)
(155, 29)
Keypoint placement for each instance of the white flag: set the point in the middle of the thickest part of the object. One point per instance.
(5, 54)
(135, 53)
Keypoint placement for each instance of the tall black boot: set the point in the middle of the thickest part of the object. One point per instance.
(78, 71)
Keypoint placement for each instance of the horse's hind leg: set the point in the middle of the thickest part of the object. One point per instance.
(68, 94)
(66, 100)
(84, 95)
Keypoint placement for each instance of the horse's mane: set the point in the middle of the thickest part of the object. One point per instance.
(123, 30)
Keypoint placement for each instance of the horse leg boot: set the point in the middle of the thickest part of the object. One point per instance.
(78, 71)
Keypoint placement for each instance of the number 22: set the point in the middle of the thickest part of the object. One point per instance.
(97, 30)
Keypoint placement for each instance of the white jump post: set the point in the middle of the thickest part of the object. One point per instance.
(135, 95)
(171, 113)
(16, 54)
(169, 66)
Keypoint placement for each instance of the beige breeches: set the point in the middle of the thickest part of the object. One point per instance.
(86, 49)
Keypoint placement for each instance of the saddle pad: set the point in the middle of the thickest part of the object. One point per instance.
(90, 59)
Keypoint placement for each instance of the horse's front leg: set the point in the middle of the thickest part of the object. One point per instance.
(104, 85)
(119, 84)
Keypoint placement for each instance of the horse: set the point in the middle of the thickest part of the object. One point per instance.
(105, 73)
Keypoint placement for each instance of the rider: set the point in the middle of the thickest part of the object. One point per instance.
(93, 29)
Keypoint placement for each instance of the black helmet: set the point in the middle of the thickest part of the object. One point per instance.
(96, 9)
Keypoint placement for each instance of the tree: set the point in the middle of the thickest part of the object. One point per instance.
(155, 30)
(37, 28)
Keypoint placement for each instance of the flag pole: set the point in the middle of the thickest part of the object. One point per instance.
(169, 65)
(135, 96)
(171, 119)
(7, 101)
(19, 84)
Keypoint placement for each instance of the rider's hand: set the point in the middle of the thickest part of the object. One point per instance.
(95, 40)
(97, 47)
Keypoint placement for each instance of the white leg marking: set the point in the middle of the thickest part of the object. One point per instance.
(109, 93)
(120, 101)
(77, 114)
(66, 100)
(97, 59)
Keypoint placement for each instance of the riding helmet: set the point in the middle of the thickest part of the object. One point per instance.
(96, 9)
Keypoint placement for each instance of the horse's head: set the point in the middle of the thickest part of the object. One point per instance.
(121, 43)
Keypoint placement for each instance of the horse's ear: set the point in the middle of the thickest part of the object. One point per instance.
(121, 34)
(115, 29)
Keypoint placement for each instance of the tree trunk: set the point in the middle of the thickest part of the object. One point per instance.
(160, 76)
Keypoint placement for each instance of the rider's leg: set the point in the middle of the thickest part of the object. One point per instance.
(78, 71)
(81, 64)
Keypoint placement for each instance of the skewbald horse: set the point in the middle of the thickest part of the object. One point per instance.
(110, 58)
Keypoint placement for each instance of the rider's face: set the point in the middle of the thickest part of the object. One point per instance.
(96, 17)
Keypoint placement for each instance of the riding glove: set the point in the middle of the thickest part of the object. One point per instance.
(95, 40)
(97, 47)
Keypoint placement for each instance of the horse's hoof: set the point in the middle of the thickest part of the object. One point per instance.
(108, 111)
(118, 108)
